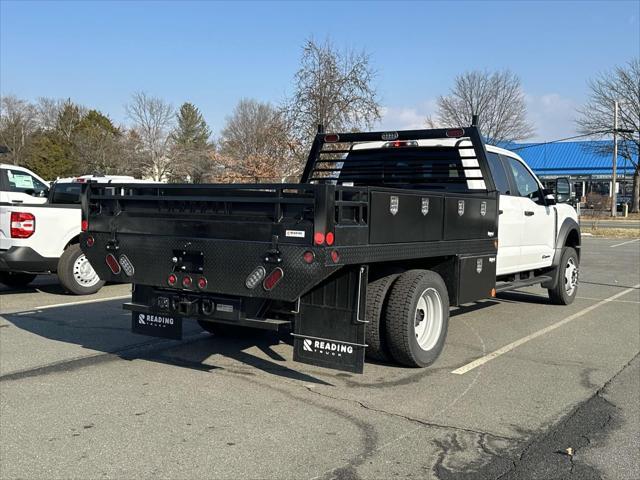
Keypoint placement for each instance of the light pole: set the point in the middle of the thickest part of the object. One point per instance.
(614, 196)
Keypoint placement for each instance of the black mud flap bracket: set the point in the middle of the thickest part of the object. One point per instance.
(330, 325)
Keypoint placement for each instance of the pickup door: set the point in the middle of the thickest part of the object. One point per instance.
(20, 187)
(526, 228)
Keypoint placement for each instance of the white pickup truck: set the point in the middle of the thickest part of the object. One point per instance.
(39, 229)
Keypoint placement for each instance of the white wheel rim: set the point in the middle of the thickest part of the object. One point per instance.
(83, 272)
(571, 276)
(428, 319)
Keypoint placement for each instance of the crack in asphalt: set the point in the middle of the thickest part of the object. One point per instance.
(406, 417)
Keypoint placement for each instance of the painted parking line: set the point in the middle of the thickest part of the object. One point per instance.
(58, 305)
(507, 348)
(624, 243)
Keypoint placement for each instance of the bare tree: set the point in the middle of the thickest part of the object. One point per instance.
(152, 120)
(331, 88)
(622, 84)
(256, 137)
(48, 110)
(17, 123)
(498, 100)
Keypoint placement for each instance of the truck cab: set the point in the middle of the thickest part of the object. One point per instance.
(19, 185)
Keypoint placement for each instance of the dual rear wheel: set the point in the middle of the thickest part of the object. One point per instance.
(408, 318)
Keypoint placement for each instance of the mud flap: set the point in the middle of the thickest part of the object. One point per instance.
(330, 326)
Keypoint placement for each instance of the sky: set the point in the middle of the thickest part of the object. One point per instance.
(215, 53)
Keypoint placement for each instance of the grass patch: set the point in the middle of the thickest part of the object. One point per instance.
(613, 232)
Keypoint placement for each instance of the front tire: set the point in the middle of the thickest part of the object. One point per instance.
(76, 273)
(16, 280)
(417, 318)
(566, 288)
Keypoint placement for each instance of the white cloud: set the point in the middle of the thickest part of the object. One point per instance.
(406, 118)
(553, 116)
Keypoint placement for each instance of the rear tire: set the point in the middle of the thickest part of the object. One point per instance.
(417, 318)
(76, 273)
(566, 288)
(375, 334)
(16, 280)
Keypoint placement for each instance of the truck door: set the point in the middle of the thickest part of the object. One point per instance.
(538, 229)
(18, 186)
(510, 221)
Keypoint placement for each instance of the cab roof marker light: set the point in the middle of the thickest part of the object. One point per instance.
(389, 135)
(401, 143)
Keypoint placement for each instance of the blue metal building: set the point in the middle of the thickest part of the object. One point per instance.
(586, 160)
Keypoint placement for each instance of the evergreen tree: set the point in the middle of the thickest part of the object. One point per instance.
(192, 130)
(191, 150)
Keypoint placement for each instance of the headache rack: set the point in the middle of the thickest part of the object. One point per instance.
(398, 160)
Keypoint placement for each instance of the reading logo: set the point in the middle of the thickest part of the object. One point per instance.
(327, 348)
(154, 320)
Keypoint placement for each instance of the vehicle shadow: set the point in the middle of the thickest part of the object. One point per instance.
(104, 327)
(53, 288)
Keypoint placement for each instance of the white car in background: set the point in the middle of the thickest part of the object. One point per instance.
(40, 227)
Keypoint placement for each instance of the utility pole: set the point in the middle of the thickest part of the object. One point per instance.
(614, 196)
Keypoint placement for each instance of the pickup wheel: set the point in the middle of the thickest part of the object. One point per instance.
(417, 318)
(566, 288)
(16, 280)
(375, 335)
(76, 273)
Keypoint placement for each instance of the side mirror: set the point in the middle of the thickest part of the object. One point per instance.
(549, 196)
(563, 190)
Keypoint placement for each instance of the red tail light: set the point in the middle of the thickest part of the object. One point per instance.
(202, 283)
(331, 138)
(318, 238)
(84, 225)
(91, 241)
(308, 257)
(335, 256)
(273, 278)
(23, 224)
(187, 282)
(112, 263)
(329, 238)
(172, 279)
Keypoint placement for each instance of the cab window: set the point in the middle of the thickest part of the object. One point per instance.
(498, 174)
(66, 193)
(22, 182)
(525, 183)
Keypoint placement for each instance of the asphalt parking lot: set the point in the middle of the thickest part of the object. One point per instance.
(523, 389)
